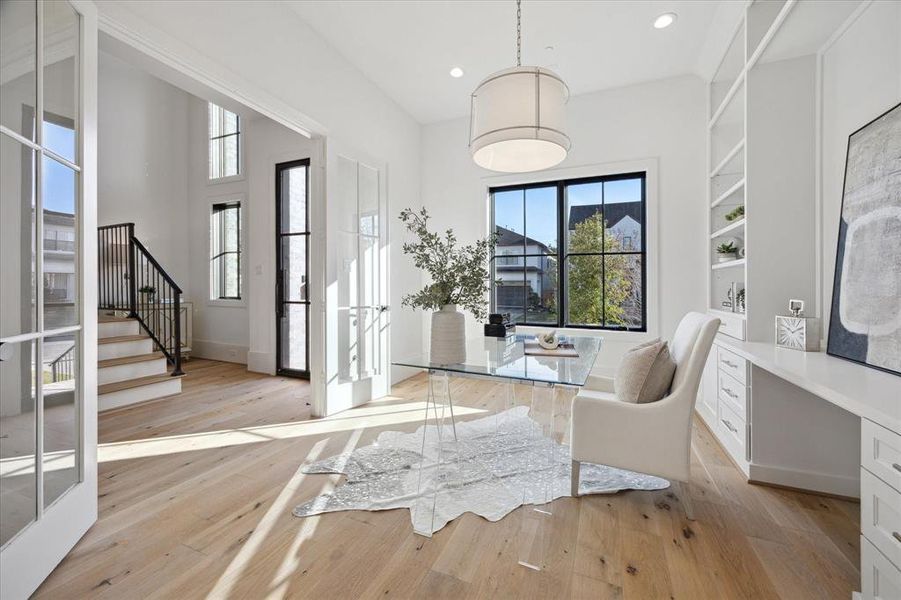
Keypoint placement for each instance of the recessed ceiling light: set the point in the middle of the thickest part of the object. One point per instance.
(456, 72)
(665, 20)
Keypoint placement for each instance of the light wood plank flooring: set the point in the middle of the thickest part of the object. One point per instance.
(196, 492)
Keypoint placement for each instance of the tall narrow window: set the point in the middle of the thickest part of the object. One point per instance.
(225, 251)
(225, 143)
(571, 253)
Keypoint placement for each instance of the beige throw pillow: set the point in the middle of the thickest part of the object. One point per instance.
(645, 373)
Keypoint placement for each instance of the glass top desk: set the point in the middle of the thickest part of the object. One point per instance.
(502, 360)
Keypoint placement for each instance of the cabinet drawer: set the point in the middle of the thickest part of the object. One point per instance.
(880, 515)
(733, 426)
(880, 452)
(732, 364)
(733, 393)
(732, 326)
(879, 579)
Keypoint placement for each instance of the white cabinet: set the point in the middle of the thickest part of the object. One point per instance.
(724, 403)
(880, 511)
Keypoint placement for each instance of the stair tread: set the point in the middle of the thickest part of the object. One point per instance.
(126, 360)
(114, 319)
(118, 386)
(122, 338)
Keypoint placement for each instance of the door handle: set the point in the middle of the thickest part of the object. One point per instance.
(896, 535)
(729, 426)
(897, 467)
(729, 393)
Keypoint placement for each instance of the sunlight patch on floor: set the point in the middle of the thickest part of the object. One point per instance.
(362, 417)
(236, 567)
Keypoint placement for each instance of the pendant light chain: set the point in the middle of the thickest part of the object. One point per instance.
(518, 33)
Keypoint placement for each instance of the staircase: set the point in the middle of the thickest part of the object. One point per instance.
(138, 328)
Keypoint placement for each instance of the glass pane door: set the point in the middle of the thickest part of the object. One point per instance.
(40, 399)
(292, 252)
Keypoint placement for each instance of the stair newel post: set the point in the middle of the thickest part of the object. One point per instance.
(132, 279)
(177, 324)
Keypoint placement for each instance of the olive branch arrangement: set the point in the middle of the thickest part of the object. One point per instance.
(459, 274)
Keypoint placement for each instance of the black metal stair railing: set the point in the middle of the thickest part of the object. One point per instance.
(131, 280)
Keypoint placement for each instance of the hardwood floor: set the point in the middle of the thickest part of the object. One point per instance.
(196, 493)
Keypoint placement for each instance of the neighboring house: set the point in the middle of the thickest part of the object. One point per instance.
(513, 270)
(60, 285)
(623, 220)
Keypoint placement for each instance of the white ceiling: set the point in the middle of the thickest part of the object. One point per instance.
(407, 48)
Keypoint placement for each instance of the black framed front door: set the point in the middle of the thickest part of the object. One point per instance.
(292, 251)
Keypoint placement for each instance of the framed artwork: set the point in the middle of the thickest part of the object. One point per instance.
(865, 323)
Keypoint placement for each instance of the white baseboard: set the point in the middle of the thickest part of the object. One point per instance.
(261, 362)
(217, 351)
(806, 480)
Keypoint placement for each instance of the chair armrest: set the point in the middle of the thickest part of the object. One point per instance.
(650, 438)
(599, 383)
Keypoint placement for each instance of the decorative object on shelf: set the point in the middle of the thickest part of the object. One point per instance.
(517, 123)
(726, 252)
(549, 340)
(735, 298)
(865, 321)
(741, 252)
(459, 276)
(736, 213)
(797, 331)
(499, 325)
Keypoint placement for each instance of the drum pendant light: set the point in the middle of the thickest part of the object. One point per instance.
(517, 118)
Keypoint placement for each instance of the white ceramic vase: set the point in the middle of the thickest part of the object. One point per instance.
(448, 345)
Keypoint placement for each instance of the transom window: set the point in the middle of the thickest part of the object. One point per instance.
(225, 143)
(225, 251)
(571, 253)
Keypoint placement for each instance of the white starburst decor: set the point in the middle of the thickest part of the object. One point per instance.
(495, 464)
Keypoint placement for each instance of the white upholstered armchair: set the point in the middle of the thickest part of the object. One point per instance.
(653, 438)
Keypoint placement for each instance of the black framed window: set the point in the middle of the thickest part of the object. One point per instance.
(225, 251)
(572, 253)
(225, 143)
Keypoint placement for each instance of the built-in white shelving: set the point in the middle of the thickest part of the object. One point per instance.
(738, 262)
(737, 186)
(727, 229)
(732, 154)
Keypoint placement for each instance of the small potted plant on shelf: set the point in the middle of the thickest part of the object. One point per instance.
(147, 292)
(736, 213)
(726, 252)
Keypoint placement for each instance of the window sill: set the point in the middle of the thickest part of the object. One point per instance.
(227, 303)
(221, 180)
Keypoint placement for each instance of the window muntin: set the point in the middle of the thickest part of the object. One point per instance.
(596, 278)
(225, 251)
(225, 143)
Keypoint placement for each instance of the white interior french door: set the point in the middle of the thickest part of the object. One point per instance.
(48, 331)
(356, 280)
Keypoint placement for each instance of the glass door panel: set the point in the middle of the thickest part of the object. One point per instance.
(18, 444)
(59, 377)
(292, 257)
(18, 296)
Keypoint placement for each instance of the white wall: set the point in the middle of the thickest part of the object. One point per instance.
(221, 327)
(294, 68)
(861, 79)
(662, 120)
(143, 160)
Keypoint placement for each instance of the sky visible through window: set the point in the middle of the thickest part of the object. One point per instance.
(59, 180)
(541, 205)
